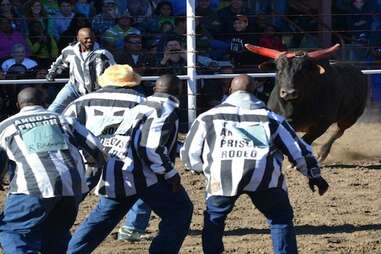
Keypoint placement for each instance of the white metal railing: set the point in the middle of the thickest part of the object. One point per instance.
(191, 85)
(153, 78)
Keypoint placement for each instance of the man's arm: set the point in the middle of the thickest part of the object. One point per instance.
(191, 152)
(300, 155)
(158, 137)
(104, 60)
(91, 145)
(57, 67)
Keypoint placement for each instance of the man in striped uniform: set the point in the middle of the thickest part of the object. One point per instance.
(239, 146)
(86, 62)
(143, 169)
(102, 112)
(50, 176)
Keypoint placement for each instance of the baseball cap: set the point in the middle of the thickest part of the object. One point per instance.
(125, 14)
(109, 2)
(242, 18)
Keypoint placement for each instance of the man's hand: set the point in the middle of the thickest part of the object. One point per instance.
(320, 183)
(176, 182)
(49, 77)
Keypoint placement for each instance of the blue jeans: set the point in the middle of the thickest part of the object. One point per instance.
(31, 224)
(272, 203)
(174, 208)
(67, 94)
(137, 218)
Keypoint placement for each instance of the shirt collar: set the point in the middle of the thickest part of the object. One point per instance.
(77, 47)
(165, 98)
(244, 100)
(32, 108)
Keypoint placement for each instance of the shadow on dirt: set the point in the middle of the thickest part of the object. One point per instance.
(352, 166)
(302, 230)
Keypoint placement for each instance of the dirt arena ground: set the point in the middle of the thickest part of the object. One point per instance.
(345, 220)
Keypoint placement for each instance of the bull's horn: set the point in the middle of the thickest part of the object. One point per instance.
(323, 53)
(266, 52)
(321, 69)
(272, 53)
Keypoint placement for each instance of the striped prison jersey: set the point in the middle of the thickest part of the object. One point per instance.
(102, 111)
(45, 148)
(239, 146)
(84, 70)
(149, 157)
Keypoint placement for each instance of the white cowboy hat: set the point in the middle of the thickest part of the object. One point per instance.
(121, 75)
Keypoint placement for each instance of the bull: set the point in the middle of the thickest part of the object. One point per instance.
(313, 94)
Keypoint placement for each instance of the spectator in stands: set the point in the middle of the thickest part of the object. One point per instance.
(51, 7)
(42, 45)
(275, 7)
(7, 9)
(8, 37)
(207, 17)
(227, 15)
(62, 19)
(179, 31)
(270, 39)
(359, 20)
(174, 62)
(18, 57)
(35, 12)
(241, 58)
(133, 55)
(113, 38)
(106, 18)
(140, 10)
(208, 45)
(70, 35)
(85, 8)
(163, 13)
(174, 58)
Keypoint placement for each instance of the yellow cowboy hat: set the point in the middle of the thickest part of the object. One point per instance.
(121, 75)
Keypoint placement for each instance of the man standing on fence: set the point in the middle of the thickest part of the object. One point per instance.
(49, 176)
(238, 145)
(144, 168)
(86, 62)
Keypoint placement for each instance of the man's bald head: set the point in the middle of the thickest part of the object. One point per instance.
(29, 96)
(85, 36)
(167, 83)
(242, 83)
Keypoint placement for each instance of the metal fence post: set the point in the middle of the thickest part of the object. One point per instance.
(191, 61)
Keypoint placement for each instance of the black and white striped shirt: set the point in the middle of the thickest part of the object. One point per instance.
(103, 110)
(239, 145)
(84, 71)
(149, 156)
(44, 147)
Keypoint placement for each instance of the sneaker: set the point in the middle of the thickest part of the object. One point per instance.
(129, 234)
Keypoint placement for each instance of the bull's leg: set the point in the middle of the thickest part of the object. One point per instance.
(326, 148)
(313, 133)
(339, 131)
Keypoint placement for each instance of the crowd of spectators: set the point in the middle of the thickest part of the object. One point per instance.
(150, 35)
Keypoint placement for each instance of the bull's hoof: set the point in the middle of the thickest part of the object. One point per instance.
(321, 157)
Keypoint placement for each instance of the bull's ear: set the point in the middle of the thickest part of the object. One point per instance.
(267, 66)
(321, 69)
